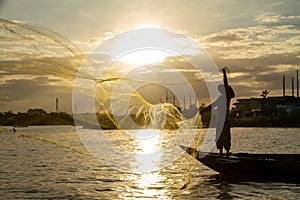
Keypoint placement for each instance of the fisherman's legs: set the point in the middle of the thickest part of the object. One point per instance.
(220, 146)
(218, 139)
(226, 147)
(220, 152)
(227, 141)
(224, 141)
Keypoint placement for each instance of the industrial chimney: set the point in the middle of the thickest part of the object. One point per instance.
(56, 105)
(293, 86)
(167, 100)
(297, 84)
(283, 85)
(174, 100)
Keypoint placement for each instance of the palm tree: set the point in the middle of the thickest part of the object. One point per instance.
(264, 93)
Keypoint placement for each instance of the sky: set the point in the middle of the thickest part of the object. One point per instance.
(259, 41)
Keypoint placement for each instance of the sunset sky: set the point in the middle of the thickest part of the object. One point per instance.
(258, 41)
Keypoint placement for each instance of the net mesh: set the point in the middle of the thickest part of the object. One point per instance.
(38, 51)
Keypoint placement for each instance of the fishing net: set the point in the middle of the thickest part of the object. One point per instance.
(37, 51)
(111, 94)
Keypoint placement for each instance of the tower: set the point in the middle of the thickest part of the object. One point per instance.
(56, 105)
(283, 85)
(297, 84)
(292, 86)
(173, 100)
(167, 96)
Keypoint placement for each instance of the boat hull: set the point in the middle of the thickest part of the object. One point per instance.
(257, 167)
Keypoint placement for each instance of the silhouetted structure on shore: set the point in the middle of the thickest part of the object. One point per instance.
(288, 106)
(269, 111)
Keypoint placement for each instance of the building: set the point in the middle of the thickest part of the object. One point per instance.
(243, 107)
(282, 106)
(271, 106)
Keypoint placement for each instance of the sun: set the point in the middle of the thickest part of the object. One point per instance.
(146, 25)
(147, 45)
(145, 56)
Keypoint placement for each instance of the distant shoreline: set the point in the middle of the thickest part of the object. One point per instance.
(35, 119)
(61, 118)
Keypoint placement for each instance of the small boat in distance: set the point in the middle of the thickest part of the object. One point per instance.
(251, 167)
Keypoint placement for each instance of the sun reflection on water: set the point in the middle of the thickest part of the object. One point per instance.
(147, 154)
(148, 185)
(148, 140)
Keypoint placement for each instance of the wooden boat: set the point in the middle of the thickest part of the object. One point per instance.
(256, 167)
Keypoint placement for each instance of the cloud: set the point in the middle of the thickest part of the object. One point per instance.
(224, 37)
(257, 56)
(251, 53)
(272, 18)
(254, 42)
(258, 44)
(28, 52)
(66, 68)
(22, 94)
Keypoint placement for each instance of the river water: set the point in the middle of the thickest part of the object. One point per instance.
(50, 162)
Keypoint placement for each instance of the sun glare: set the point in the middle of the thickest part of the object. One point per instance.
(148, 140)
(146, 25)
(143, 57)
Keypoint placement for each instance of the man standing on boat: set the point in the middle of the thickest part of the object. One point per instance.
(222, 104)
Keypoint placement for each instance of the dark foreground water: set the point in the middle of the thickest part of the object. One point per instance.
(53, 164)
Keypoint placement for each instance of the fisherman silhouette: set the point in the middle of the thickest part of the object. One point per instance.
(222, 103)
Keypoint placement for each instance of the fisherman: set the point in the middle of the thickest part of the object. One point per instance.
(222, 104)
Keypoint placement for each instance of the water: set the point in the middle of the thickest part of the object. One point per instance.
(34, 169)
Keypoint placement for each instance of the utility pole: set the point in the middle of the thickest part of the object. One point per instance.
(292, 86)
(173, 100)
(167, 96)
(283, 85)
(56, 103)
(297, 84)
